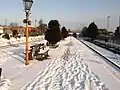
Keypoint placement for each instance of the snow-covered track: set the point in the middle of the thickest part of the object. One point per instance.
(112, 62)
(109, 46)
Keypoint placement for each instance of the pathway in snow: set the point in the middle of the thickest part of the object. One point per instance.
(14, 68)
(66, 73)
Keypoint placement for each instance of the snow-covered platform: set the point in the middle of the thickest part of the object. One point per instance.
(71, 66)
(4, 83)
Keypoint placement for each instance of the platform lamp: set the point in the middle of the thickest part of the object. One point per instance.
(27, 7)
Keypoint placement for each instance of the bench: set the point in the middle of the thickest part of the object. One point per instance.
(38, 51)
(43, 54)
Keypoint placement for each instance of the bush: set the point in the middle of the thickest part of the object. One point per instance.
(53, 35)
(75, 35)
(64, 32)
(15, 33)
(33, 33)
(92, 31)
(6, 36)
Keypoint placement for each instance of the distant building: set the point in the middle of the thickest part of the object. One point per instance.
(21, 29)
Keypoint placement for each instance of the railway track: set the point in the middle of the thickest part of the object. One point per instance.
(112, 48)
(106, 58)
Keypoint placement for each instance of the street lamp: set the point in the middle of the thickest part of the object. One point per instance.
(119, 23)
(108, 17)
(27, 7)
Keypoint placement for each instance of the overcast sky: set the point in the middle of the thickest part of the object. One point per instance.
(70, 13)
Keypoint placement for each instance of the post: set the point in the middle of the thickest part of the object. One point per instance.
(27, 55)
(0, 72)
(108, 27)
(107, 22)
(6, 22)
(119, 23)
(35, 22)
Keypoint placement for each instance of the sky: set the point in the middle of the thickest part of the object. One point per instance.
(73, 14)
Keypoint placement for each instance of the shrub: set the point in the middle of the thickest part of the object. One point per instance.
(75, 35)
(53, 35)
(64, 32)
(6, 36)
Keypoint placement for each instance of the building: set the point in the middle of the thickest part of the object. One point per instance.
(20, 30)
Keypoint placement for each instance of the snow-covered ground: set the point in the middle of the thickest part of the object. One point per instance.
(13, 44)
(71, 66)
(4, 42)
(108, 54)
(78, 69)
(4, 83)
(13, 63)
(67, 73)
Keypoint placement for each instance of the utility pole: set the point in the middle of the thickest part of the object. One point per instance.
(119, 23)
(6, 22)
(108, 17)
(35, 22)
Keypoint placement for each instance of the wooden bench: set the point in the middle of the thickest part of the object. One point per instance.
(38, 51)
(43, 54)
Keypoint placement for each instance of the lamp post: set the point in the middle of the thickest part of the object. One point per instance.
(27, 7)
(119, 23)
(35, 23)
(6, 22)
(108, 17)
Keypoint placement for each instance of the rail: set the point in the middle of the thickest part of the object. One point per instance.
(112, 62)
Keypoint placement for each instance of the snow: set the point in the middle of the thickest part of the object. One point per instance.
(44, 50)
(115, 58)
(108, 75)
(15, 43)
(71, 66)
(4, 83)
(68, 72)
(4, 42)
(109, 43)
(5, 56)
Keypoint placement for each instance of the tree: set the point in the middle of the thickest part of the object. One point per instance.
(69, 30)
(92, 31)
(102, 31)
(6, 36)
(53, 34)
(64, 32)
(41, 26)
(84, 31)
(15, 33)
(117, 32)
(12, 24)
(74, 35)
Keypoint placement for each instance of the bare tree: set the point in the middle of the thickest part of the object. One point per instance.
(41, 25)
(13, 24)
(41, 21)
(13, 29)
